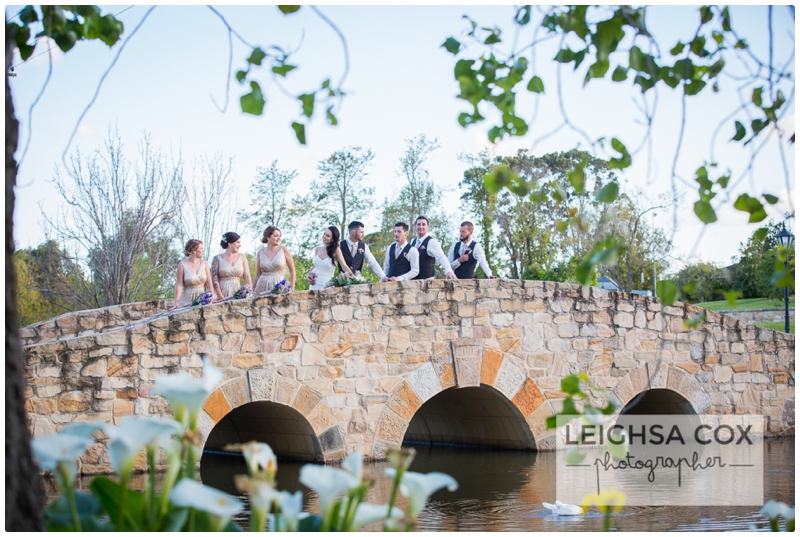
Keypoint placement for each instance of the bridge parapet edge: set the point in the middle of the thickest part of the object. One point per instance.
(370, 353)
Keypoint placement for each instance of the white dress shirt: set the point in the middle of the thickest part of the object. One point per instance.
(477, 253)
(413, 258)
(433, 249)
(368, 257)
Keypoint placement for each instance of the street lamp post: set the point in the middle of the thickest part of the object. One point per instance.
(786, 240)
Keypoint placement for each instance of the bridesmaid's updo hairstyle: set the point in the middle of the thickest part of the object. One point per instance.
(268, 233)
(228, 238)
(191, 246)
(334, 244)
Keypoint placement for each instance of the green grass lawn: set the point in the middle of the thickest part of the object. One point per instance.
(777, 326)
(746, 304)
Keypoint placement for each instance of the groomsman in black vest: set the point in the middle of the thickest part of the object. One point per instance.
(466, 254)
(355, 251)
(429, 250)
(402, 260)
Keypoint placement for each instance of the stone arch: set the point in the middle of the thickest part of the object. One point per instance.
(662, 376)
(302, 410)
(488, 374)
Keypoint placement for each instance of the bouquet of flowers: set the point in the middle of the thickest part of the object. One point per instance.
(243, 292)
(203, 299)
(341, 280)
(281, 288)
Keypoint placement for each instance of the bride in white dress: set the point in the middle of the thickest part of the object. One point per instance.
(324, 265)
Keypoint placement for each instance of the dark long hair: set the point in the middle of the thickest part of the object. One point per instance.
(334, 244)
(228, 238)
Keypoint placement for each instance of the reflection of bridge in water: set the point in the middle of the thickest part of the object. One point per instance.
(477, 362)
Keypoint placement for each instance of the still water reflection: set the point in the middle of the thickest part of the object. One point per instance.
(504, 491)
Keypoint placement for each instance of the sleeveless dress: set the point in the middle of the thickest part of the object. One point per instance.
(230, 277)
(193, 284)
(272, 271)
(324, 270)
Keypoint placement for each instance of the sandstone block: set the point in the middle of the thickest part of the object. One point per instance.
(75, 401)
(722, 373)
(217, 406)
(289, 343)
(342, 313)
(261, 382)
(313, 354)
(490, 366)
(285, 389)
(624, 320)
(392, 428)
(398, 341)
(425, 382)
(509, 379)
(405, 402)
(97, 368)
(117, 337)
(528, 398)
(122, 367)
(305, 401)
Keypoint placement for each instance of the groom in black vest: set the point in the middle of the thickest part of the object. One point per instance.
(355, 251)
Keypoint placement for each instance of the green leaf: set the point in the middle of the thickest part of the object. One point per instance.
(523, 15)
(726, 19)
(299, 132)
(772, 200)
(667, 292)
(283, 69)
(740, 44)
(498, 178)
(677, 49)
(561, 226)
(492, 39)
(58, 517)
(286, 10)
(748, 204)
(716, 68)
(694, 322)
(609, 193)
(732, 296)
(698, 45)
(571, 385)
(758, 125)
(551, 422)
(757, 99)
(740, 131)
(256, 56)
(253, 102)
(452, 45)
(760, 234)
(705, 14)
(241, 76)
(564, 56)
(330, 117)
(724, 180)
(694, 87)
(109, 493)
(577, 178)
(620, 74)
(625, 160)
(536, 85)
(308, 103)
(705, 212)
(28, 15)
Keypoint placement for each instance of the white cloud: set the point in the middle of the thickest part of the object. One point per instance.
(85, 131)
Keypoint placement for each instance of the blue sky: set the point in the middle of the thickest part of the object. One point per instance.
(400, 84)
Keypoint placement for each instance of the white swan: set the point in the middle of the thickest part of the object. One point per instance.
(563, 509)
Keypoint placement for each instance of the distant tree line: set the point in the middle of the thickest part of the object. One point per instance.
(119, 238)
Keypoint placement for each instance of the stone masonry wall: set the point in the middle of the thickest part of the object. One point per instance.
(772, 315)
(88, 322)
(357, 363)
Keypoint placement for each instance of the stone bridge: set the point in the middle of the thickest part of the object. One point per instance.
(478, 362)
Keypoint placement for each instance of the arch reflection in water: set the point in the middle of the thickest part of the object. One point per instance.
(282, 427)
(662, 402)
(474, 416)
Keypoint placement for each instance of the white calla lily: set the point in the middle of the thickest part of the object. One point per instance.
(83, 428)
(291, 506)
(134, 434)
(774, 509)
(327, 482)
(353, 464)
(187, 394)
(190, 493)
(53, 449)
(418, 487)
(259, 457)
(367, 513)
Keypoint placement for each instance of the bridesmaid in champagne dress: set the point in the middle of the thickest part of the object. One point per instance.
(230, 267)
(272, 262)
(194, 277)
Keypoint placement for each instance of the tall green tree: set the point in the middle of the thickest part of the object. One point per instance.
(342, 190)
(755, 266)
(702, 282)
(269, 190)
